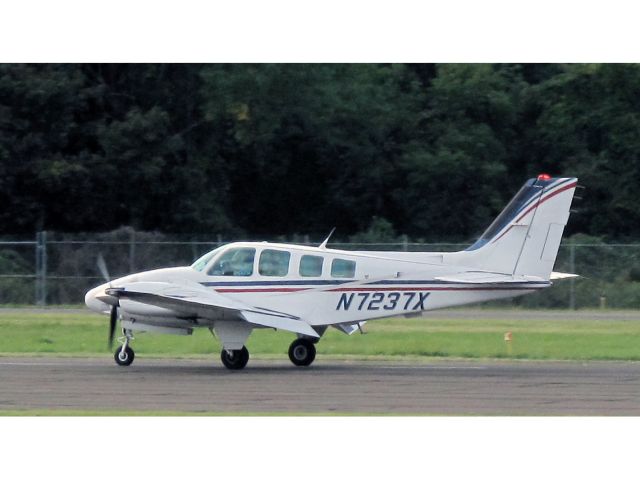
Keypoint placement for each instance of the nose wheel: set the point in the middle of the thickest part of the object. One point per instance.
(302, 352)
(235, 359)
(124, 355)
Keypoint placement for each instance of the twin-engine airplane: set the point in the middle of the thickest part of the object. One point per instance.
(241, 286)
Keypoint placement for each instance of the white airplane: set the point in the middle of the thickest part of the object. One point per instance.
(245, 285)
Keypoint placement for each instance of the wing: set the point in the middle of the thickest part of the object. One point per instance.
(192, 301)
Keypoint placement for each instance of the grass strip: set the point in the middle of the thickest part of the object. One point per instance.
(72, 333)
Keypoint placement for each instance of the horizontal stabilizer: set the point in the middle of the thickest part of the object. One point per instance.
(488, 277)
(562, 276)
(280, 322)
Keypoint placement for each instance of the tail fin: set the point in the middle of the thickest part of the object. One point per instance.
(524, 239)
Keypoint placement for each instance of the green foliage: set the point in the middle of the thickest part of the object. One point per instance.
(284, 149)
(587, 122)
(469, 119)
(380, 230)
(15, 288)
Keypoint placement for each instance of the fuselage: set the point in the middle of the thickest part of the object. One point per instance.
(323, 286)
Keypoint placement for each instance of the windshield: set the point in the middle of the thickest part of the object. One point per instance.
(199, 264)
(236, 262)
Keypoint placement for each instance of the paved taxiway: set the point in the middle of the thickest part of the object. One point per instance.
(442, 387)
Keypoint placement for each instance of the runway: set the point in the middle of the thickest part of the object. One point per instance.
(328, 386)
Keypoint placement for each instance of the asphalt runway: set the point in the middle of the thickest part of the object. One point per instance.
(328, 386)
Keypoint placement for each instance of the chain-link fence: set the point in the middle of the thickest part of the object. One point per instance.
(55, 268)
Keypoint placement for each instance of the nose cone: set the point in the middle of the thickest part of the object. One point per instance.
(91, 300)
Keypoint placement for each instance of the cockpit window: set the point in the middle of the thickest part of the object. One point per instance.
(343, 268)
(236, 262)
(274, 263)
(311, 266)
(203, 260)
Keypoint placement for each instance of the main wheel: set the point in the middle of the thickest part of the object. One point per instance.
(124, 358)
(302, 352)
(235, 359)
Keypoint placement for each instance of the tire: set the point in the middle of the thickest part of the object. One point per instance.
(236, 360)
(302, 352)
(126, 358)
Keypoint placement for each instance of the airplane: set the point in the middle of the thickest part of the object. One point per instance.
(242, 286)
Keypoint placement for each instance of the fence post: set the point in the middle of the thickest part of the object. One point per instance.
(572, 281)
(44, 268)
(36, 299)
(405, 243)
(41, 268)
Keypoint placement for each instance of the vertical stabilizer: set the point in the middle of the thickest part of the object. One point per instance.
(524, 239)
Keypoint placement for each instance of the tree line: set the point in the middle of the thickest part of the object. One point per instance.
(430, 151)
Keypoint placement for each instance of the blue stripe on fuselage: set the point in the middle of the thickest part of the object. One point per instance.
(265, 283)
(312, 283)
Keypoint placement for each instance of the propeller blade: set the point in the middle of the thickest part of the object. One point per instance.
(102, 266)
(112, 324)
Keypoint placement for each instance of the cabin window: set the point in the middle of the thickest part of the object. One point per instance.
(236, 262)
(274, 263)
(311, 266)
(343, 268)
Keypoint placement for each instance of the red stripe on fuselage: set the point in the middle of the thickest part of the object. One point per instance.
(247, 290)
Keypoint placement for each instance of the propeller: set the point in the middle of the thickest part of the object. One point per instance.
(102, 266)
(113, 317)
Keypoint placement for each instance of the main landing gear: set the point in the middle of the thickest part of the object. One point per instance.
(124, 355)
(235, 359)
(302, 352)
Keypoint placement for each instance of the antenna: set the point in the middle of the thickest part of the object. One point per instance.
(324, 244)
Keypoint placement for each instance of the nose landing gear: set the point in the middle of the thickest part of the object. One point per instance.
(124, 355)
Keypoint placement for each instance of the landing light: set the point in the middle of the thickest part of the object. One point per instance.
(544, 177)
